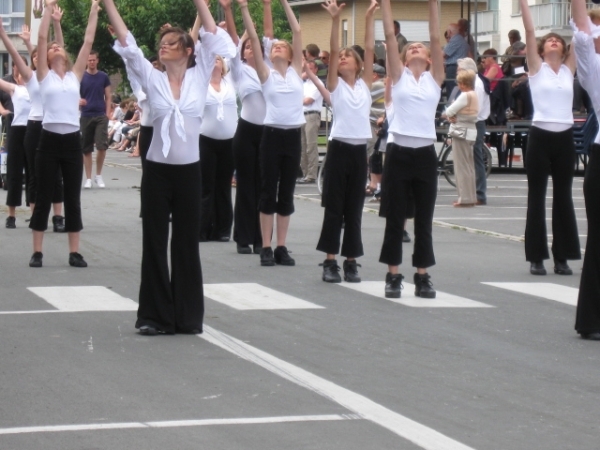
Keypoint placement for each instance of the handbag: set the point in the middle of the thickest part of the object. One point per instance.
(457, 132)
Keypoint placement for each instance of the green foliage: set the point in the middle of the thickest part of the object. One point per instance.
(144, 19)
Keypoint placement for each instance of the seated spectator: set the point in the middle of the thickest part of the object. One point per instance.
(491, 69)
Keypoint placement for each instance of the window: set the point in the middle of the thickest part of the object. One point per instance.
(16, 23)
(18, 6)
(344, 33)
(5, 6)
(516, 8)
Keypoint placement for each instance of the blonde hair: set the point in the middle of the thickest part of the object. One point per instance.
(594, 16)
(405, 50)
(224, 68)
(466, 78)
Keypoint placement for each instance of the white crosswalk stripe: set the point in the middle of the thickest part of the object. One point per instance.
(245, 296)
(84, 298)
(548, 291)
(442, 300)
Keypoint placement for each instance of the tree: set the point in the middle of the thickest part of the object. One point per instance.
(144, 18)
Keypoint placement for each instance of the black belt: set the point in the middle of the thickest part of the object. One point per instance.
(306, 113)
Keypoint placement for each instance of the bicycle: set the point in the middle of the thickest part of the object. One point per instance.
(446, 163)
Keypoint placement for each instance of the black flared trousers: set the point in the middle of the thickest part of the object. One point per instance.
(343, 198)
(171, 302)
(588, 303)
(551, 154)
(246, 148)
(216, 160)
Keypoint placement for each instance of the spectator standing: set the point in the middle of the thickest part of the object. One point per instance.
(6, 104)
(400, 39)
(312, 54)
(95, 105)
(456, 49)
(313, 103)
(513, 37)
(464, 30)
(491, 69)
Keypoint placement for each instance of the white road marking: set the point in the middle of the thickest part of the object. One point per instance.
(408, 298)
(175, 423)
(84, 298)
(548, 291)
(244, 296)
(415, 432)
(548, 219)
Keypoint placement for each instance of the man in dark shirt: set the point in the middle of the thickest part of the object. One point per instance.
(95, 105)
(6, 108)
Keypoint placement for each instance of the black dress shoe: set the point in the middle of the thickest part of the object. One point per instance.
(36, 260)
(331, 271)
(244, 249)
(591, 336)
(282, 256)
(11, 222)
(148, 330)
(537, 268)
(562, 268)
(76, 260)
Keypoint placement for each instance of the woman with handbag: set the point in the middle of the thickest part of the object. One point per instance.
(463, 131)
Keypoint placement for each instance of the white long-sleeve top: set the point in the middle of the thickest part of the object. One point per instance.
(22, 106)
(588, 66)
(177, 122)
(248, 86)
(220, 113)
(36, 112)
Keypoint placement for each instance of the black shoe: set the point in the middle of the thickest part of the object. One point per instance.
(282, 256)
(351, 271)
(266, 257)
(148, 330)
(331, 271)
(76, 260)
(257, 249)
(424, 286)
(405, 236)
(537, 268)
(223, 239)
(595, 336)
(244, 249)
(36, 260)
(58, 223)
(393, 285)
(562, 268)
(11, 222)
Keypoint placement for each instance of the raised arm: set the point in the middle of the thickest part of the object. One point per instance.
(395, 65)
(334, 11)
(580, 16)
(208, 22)
(230, 21)
(194, 32)
(261, 67)
(534, 62)
(42, 47)
(25, 36)
(7, 87)
(369, 43)
(119, 28)
(24, 69)
(57, 14)
(319, 84)
(88, 41)
(267, 20)
(435, 46)
(296, 37)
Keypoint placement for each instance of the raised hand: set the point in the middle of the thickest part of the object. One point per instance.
(111, 30)
(50, 3)
(25, 34)
(333, 8)
(95, 5)
(225, 4)
(372, 7)
(242, 3)
(57, 13)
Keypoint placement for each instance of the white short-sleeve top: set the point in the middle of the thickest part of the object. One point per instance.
(60, 101)
(351, 110)
(36, 112)
(415, 104)
(220, 113)
(284, 97)
(21, 104)
(552, 96)
(177, 122)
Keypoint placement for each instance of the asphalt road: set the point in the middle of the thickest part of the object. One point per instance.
(287, 361)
